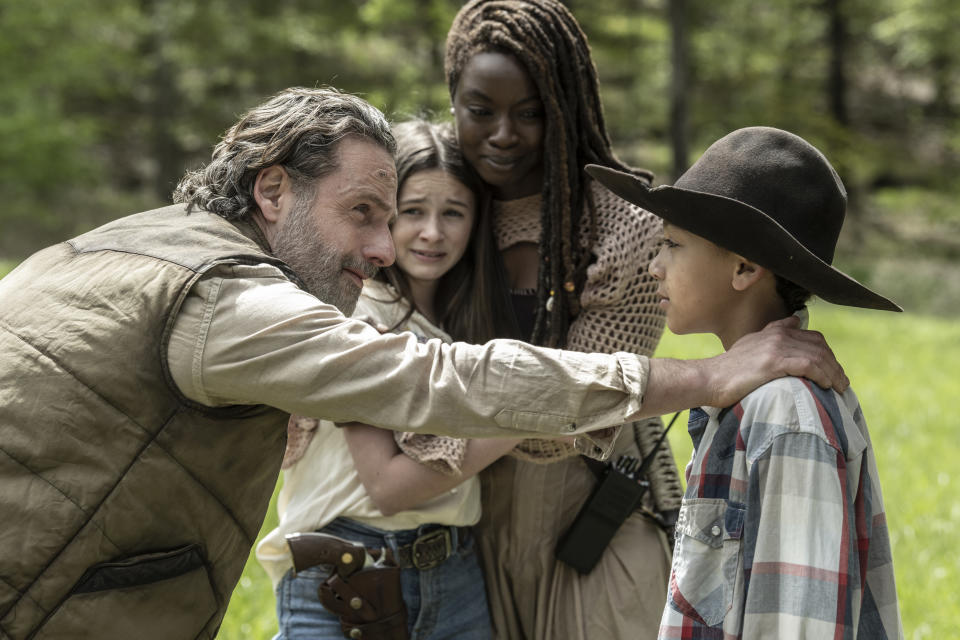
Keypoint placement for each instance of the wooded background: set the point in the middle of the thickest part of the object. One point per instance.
(105, 103)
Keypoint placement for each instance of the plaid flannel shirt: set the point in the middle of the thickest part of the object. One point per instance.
(782, 533)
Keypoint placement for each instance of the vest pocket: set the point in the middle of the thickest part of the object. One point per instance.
(705, 559)
(153, 596)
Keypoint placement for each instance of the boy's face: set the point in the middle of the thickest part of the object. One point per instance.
(695, 278)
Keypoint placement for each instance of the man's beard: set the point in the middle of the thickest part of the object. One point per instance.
(320, 267)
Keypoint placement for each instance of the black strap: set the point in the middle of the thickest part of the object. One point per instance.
(599, 467)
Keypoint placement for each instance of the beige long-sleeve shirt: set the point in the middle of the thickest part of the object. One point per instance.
(246, 335)
(324, 483)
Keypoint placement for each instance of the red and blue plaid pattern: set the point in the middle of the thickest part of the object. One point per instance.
(782, 531)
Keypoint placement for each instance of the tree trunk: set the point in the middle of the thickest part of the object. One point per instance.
(837, 38)
(163, 101)
(941, 69)
(679, 62)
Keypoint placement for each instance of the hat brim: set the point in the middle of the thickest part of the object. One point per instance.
(746, 231)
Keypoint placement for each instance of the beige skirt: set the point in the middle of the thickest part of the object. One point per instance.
(534, 596)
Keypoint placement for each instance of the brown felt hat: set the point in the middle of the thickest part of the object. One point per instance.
(767, 195)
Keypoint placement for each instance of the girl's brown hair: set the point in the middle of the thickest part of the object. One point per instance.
(470, 296)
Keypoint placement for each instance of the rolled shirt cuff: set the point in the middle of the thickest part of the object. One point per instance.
(599, 444)
(597, 436)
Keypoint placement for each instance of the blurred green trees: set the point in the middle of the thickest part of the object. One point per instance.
(105, 103)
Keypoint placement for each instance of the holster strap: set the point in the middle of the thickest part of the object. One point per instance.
(369, 603)
(390, 628)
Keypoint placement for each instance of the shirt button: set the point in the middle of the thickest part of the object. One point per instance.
(715, 530)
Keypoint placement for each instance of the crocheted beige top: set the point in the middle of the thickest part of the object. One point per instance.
(619, 310)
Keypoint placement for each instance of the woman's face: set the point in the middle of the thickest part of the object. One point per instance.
(432, 230)
(500, 124)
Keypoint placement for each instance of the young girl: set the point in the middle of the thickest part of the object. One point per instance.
(526, 102)
(369, 486)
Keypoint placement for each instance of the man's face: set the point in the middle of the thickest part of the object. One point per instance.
(338, 233)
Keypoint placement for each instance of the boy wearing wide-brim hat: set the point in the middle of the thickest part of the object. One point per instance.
(782, 531)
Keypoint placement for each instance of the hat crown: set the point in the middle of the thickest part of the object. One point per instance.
(781, 175)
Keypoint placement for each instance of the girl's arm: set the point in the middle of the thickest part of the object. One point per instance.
(397, 483)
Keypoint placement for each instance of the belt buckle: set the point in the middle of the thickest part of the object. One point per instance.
(425, 552)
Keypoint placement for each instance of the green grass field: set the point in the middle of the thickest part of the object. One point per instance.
(903, 368)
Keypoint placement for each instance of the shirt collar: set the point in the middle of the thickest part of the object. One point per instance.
(249, 227)
(712, 412)
(697, 423)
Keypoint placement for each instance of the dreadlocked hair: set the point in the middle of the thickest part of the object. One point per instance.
(546, 39)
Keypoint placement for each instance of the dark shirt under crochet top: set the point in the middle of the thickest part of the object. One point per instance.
(524, 308)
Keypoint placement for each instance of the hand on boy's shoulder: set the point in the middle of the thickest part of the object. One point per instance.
(780, 349)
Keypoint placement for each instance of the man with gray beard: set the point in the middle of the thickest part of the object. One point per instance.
(302, 245)
(149, 367)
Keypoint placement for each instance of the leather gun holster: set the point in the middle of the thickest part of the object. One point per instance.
(365, 594)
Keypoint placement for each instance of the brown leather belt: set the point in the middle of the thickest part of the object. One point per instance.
(427, 551)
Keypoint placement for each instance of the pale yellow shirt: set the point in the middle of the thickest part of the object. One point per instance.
(324, 483)
(246, 335)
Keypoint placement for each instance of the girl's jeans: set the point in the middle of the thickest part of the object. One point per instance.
(447, 601)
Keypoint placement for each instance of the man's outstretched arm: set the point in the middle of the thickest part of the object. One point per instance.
(263, 341)
(781, 349)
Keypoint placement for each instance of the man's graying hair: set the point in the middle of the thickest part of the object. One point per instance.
(297, 129)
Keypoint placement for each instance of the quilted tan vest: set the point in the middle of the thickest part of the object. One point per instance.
(127, 510)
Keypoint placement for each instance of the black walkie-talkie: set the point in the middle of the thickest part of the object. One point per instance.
(618, 493)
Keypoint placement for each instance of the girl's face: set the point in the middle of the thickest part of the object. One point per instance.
(432, 230)
(500, 124)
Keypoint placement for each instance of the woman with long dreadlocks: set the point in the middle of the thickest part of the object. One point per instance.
(527, 110)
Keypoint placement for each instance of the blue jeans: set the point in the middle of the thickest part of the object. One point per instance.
(448, 601)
